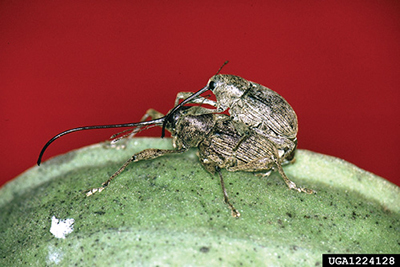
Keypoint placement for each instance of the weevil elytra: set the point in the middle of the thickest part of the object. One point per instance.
(223, 141)
(252, 107)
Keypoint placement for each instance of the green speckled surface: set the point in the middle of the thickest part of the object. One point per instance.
(169, 211)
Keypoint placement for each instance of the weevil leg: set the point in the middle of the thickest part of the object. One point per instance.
(267, 163)
(198, 100)
(291, 184)
(291, 153)
(286, 149)
(254, 166)
(150, 113)
(265, 174)
(235, 213)
(116, 142)
(199, 110)
(243, 139)
(146, 154)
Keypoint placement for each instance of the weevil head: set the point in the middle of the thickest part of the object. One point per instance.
(187, 128)
(227, 89)
(172, 121)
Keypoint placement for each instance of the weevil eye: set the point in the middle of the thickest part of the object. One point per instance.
(211, 85)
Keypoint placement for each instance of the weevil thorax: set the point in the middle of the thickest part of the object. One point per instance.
(227, 89)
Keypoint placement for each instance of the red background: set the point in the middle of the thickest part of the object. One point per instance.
(65, 64)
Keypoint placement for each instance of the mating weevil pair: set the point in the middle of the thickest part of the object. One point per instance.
(259, 135)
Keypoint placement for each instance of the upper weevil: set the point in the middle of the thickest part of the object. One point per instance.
(252, 107)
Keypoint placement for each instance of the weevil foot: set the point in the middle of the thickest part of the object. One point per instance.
(305, 190)
(234, 212)
(94, 190)
(266, 174)
(293, 186)
(308, 191)
(118, 144)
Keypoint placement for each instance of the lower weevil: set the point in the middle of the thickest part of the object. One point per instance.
(219, 145)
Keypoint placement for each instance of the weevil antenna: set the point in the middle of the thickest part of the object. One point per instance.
(134, 124)
(223, 65)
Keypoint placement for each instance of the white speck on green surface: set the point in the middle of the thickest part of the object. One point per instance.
(60, 228)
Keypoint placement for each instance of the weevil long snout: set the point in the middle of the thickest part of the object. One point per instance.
(210, 86)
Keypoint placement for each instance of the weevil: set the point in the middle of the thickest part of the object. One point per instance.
(254, 109)
(219, 145)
